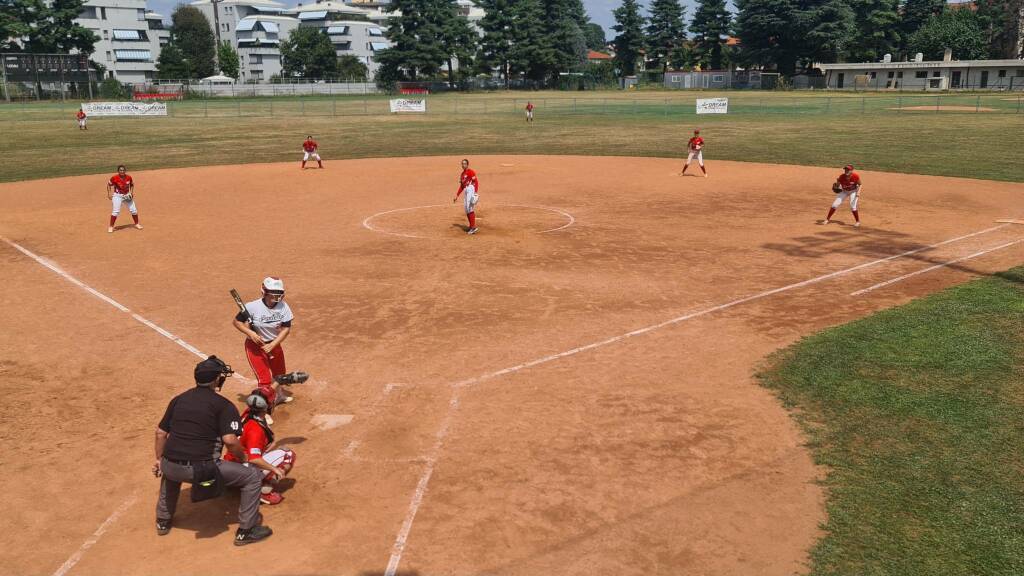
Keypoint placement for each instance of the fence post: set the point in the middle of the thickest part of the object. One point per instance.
(977, 104)
(828, 104)
(485, 106)
(1018, 104)
(573, 105)
(366, 111)
(863, 102)
(334, 106)
(666, 107)
(899, 103)
(302, 107)
(206, 107)
(938, 106)
(271, 106)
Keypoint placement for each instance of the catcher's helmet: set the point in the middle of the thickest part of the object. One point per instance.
(257, 401)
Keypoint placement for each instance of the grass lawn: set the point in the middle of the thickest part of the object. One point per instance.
(918, 413)
(813, 129)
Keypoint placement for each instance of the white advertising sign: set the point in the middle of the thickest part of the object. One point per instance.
(407, 105)
(713, 106)
(125, 108)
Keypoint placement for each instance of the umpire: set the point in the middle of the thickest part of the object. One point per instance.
(197, 425)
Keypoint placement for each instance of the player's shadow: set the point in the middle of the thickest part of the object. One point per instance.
(463, 227)
(210, 518)
(382, 573)
(120, 227)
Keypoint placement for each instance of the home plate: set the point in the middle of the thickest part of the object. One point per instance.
(329, 421)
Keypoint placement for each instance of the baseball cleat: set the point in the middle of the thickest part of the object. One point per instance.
(291, 378)
(705, 174)
(254, 534)
(856, 224)
(138, 226)
(471, 230)
(110, 229)
(823, 222)
(271, 498)
(163, 527)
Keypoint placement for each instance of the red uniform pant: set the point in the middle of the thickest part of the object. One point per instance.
(265, 367)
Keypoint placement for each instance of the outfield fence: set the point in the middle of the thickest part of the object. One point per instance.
(744, 104)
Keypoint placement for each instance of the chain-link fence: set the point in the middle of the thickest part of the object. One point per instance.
(621, 105)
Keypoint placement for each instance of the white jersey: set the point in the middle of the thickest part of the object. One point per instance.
(267, 322)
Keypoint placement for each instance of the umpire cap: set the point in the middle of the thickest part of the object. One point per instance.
(209, 371)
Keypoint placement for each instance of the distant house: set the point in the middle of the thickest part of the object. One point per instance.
(946, 74)
(595, 56)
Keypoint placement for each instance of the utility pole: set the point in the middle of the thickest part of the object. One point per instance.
(216, 27)
(3, 71)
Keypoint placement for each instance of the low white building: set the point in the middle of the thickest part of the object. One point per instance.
(130, 37)
(947, 74)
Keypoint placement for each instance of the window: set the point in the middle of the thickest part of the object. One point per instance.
(935, 73)
(137, 35)
(87, 13)
(106, 34)
(874, 75)
(899, 74)
(374, 32)
(1020, 73)
(1002, 73)
(103, 13)
(337, 30)
(342, 45)
(133, 55)
(675, 79)
(891, 74)
(255, 59)
(108, 56)
(377, 46)
(921, 74)
(140, 14)
(718, 78)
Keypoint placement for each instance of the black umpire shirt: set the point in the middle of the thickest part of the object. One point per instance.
(196, 420)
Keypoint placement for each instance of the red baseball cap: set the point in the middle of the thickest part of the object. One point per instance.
(696, 130)
(848, 167)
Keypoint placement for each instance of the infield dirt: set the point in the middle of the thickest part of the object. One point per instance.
(656, 453)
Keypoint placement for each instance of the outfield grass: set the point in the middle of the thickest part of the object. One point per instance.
(917, 414)
(984, 146)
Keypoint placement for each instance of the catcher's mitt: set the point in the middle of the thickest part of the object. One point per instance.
(836, 187)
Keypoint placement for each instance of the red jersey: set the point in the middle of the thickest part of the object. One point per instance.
(254, 440)
(80, 115)
(529, 106)
(309, 145)
(468, 177)
(121, 185)
(696, 143)
(849, 183)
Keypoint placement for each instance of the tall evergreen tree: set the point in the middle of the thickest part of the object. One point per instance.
(227, 57)
(498, 33)
(192, 33)
(17, 18)
(54, 29)
(665, 34)
(877, 30)
(415, 36)
(458, 39)
(563, 26)
(712, 24)
(915, 13)
(531, 55)
(308, 53)
(629, 42)
(958, 30)
(831, 31)
(171, 63)
(1001, 21)
(772, 32)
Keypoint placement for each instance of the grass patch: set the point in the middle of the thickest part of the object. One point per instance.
(765, 127)
(917, 413)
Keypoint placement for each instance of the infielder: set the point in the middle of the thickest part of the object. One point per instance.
(468, 187)
(529, 111)
(121, 190)
(846, 185)
(271, 323)
(256, 437)
(695, 147)
(81, 119)
(310, 150)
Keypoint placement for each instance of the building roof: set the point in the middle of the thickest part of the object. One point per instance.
(331, 7)
(595, 55)
(927, 64)
(253, 3)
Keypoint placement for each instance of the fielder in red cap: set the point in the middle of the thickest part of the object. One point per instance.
(695, 147)
(846, 185)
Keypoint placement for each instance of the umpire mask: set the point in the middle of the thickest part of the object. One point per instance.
(212, 372)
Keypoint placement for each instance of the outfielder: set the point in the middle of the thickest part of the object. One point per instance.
(529, 111)
(310, 150)
(256, 437)
(121, 190)
(468, 187)
(846, 185)
(81, 119)
(695, 147)
(268, 324)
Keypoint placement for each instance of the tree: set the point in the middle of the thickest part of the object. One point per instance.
(498, 32)
(17, 18)
(192, 33)
(711, 26)
(457, 39)
(531, 55)
(877, 30)
(1002, 22)
(51, 27)
(308, 53)
(415, 37)
(630, 39)
(566, 45)
(831, 31)
(666, 32)
(228, 59)
(351, 67)
(171, 64)
(958, 30)
(594, 33)
(786, 33)
(916, 13)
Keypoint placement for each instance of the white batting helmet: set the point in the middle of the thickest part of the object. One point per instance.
(273, 284)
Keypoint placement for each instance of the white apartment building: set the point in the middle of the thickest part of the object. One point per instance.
(353, 31)
(130, 37)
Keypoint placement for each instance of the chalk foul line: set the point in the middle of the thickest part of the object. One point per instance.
(435, 452)
(74, 559)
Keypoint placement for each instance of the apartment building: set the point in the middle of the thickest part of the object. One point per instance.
(130, 37)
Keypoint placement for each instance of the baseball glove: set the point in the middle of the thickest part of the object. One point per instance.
(837, 187)
(127, 197)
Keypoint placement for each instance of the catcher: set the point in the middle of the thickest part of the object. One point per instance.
(695, 147)
(847, 185)
(121, 190)
(256, 437)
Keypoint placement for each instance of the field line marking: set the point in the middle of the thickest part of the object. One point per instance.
(935, 267)
(435, 452)
(70, 562)
(147, 323)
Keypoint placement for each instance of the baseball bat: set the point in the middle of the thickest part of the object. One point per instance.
(248, 317)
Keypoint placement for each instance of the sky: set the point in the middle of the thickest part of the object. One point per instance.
(600, 11)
